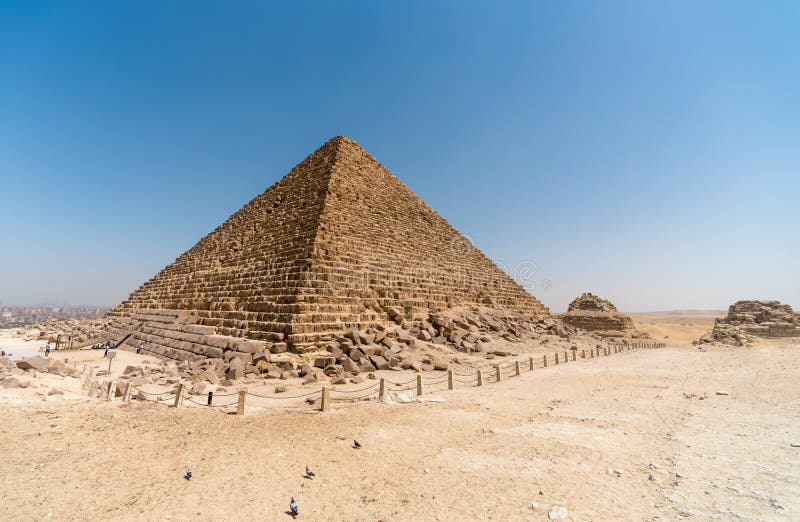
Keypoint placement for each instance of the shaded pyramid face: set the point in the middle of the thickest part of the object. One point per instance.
(336, 243)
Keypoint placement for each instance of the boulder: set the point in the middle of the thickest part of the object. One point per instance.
(349, 365)
(33, 363)
(10, 382)
(379, 362)
(324, 362)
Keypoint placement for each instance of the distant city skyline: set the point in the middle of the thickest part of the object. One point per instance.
(647, 153)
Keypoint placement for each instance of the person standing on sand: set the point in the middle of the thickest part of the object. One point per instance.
(47, 350)
(140, 349)
(105, 353)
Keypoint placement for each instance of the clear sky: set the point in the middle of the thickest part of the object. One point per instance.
(648, 152)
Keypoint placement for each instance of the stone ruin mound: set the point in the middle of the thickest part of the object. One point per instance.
(600, 316)
(338, 245)
(749, 319)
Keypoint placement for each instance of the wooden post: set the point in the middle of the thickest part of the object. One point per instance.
(179, 395)
(210, 398)
(544, 360)
(583, 354)
(419, 385)
(516, 367)
(480, 378)
(497, 372)
(324, 405)
(240, 404)
(128, 390)
(530, 362)
(574, 355)
(450, 379)
(112, 387)
(382, 389)
(566, 359)
(591, 353)
(556, 354)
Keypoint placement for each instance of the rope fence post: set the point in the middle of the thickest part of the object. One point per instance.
(382, 389)
(583, 354)
(516, 367)
(544, 361)
(480, 378)
(574, 355)
(566, 359)
(497, 373)
(179, 395)
(112, 388)
(530, 362)
(240, 404)
(325, 398)
(419, 385)
(210, 398)
(556, 355)
(450, 379)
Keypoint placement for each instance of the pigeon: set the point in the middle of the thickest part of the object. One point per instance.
(293, 508)
(356, 445)
(188, 474)
(309, 473)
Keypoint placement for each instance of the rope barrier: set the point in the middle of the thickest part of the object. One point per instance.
(370, 387)
(435, 380)
(284, 396)
(360, 397)
(400, 383)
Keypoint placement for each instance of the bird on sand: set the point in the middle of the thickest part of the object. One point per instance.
(356, 445)
(309, 473)
(188, 474)
(293, 508)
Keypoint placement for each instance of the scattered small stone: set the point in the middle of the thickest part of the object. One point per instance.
(557, 513)
(722, 392)
(533, 505)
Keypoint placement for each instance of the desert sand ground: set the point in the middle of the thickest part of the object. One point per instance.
(636, 436)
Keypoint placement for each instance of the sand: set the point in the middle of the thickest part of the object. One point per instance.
(625, 437)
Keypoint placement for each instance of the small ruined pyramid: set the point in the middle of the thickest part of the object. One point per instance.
(338, 242)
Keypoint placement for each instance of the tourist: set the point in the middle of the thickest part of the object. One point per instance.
(140, 349)
(105, 354)
(47, 350)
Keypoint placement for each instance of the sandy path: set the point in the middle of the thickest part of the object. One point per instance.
(484, 454)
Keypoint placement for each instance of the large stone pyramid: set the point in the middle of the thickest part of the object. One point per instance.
(338, 242)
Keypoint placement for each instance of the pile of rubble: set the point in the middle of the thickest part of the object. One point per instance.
(747, 320)
(12, 371)
(73, 333)
(398, 346)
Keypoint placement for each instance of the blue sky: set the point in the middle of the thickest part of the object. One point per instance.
(647, 152)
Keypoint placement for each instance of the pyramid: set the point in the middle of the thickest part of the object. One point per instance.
(338, 242)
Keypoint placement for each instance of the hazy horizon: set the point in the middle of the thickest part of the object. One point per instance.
(645, 153)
